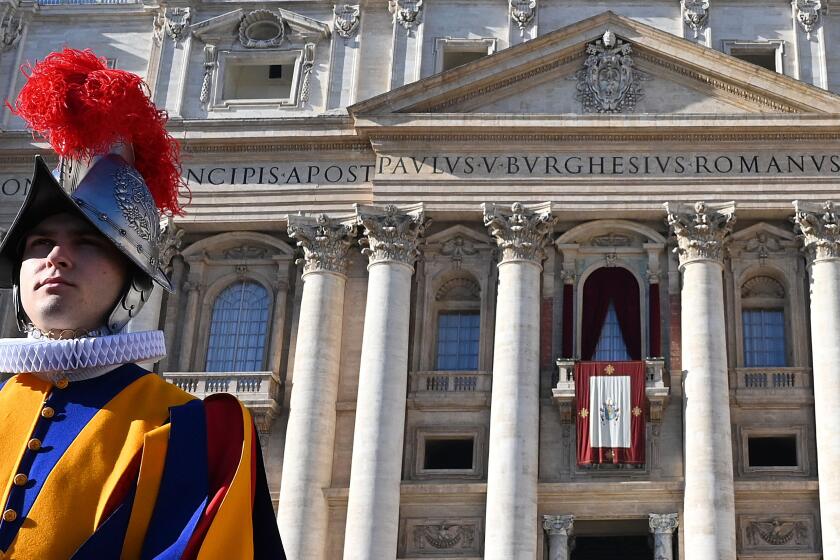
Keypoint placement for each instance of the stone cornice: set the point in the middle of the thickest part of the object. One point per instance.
(325, 242)
(701, 234)
(819, 229)
(390, 233)
(521, 233)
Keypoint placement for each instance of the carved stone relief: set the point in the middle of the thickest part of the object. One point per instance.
(521, 234)
(175, 22)
(762, 286)
(612, 240)
(307, 64)
(390, 234)
(522, 12)
(763, 245)
(608, 82)
(325, 242)
(245, 252)
(819, 229)
(702, 234)
(459, 289)
(169, 243)
(346, 20)
(262, 29)
(210, 61)
(407, 13)
(807, 14)
(696, 15)
(783, 532)
(457, 248)
(452, 537)
(11, 28)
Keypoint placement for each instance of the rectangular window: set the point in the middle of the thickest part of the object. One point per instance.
(772, 451)
(457, 341)
(448, 454)
(767, 54)
(454, 58)
(764, 338)
(258, 82)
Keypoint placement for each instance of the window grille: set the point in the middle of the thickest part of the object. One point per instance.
(238, 329)
(764, 338)
(457, 341)
(611, 346)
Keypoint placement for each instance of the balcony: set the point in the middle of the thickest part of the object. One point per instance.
(258, 390)
(656, 391)
(434, 390)
(781, 387)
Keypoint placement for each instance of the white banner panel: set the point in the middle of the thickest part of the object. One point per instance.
(609, 411)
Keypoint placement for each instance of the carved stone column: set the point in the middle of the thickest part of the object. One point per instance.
(193, 289)
(663, 525)
(559, 529)
(820, 231)
(310, 434)
(374, 500)
(709, 516)
(511, 521)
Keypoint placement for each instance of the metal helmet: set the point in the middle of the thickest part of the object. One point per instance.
(103, 184)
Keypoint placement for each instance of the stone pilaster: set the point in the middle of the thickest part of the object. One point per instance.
(663, 525)
(820, 230)
(709, 514)
(558, 529)
(511, 521)
(310, 435)
(390, 240)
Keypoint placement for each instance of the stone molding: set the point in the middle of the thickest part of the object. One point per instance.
(346, 20)
(819, 230)
(663, 522)
(702, 234)
(521, 234)
(695, 15)
(390, 234)
(807, 14)
(325, 242)
(559, 524)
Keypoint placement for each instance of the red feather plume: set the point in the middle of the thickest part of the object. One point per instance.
(82, 107)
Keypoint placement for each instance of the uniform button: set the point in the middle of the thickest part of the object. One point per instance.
(48, 412)
(9, 515)
(62, 383)
(34, 444)
(21, 479)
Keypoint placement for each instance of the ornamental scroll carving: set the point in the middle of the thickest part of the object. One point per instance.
(819, 230)
(325, 242)
(444, 536)
(696, 15)
(776, 532)
(608, 81)
(807, 14)
(390, 234)
(521, 234)
(346, 20)
(703, 233)
(407, 13)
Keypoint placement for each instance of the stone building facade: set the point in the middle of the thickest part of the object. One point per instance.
(367, 179)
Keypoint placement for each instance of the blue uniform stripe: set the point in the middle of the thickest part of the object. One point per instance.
(74, 407)
(183, 491)
(107, 541)
(3, 382)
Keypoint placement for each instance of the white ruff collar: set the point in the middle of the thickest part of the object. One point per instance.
(86, 356)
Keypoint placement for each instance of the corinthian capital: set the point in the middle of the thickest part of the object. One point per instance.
(521, 233)
(324, 241)
(819, 229)
(390, 234)
(702, 233)
(663, 522)
(559, 524)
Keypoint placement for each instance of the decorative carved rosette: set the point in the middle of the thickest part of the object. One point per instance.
(663, 522)
(346, 20)
(703, 234)
(695, 15)
(390, 234)
(325, 242)
(559, 524)
(406, 12)
(262, 29)
(608, 81)
(807, 14)
(819, 230)
(522, 234)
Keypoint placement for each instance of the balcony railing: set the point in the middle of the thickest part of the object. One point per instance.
(778, 385)
(78, 2)
(258, 390)
(449, 388)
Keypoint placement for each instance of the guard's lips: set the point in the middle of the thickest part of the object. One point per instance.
(52, 281)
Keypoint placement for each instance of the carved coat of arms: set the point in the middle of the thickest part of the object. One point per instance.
(608, 82)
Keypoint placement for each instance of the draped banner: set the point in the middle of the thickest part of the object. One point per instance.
(611, 407)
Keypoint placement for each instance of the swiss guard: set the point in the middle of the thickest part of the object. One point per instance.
(99, 458)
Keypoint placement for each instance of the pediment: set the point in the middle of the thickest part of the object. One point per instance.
(547, 76)
(296, 28)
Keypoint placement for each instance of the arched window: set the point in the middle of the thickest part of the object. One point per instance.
(238, 328)
(458, 302)
(611, 325)
(763, 320)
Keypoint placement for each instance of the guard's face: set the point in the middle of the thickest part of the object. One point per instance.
(70, 275)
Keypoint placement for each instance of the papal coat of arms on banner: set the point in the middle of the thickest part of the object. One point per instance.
(610, 419)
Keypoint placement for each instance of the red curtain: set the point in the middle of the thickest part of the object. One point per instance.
(619, 287)
(653, 317)
(568, 320)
